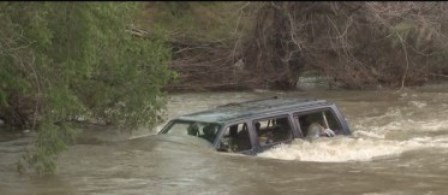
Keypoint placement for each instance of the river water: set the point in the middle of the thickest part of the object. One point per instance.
(399, 146)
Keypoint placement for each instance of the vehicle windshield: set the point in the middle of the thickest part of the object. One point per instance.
(207, 131)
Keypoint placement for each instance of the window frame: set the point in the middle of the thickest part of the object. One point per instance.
(276, 116)
(169, 125)
(296, 116)
(217, 143)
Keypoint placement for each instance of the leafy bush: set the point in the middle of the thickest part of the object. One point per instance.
(62, 61)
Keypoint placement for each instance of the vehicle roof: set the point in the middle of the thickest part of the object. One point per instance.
(251, 109)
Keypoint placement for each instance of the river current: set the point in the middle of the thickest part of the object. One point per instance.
(399, 146)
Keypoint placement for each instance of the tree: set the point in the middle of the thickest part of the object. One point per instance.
(62, 61)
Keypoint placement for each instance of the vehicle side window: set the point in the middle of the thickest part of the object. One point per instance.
(306, 120)
(235, 138)
(273, 130)
(207, 131)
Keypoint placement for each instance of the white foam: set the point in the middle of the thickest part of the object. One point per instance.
(439, 141)
(418, 104)
(381, 125)
(411, 125)
(343, 149)
(368, 134)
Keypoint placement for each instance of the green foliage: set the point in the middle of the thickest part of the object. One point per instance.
(51, 141)
(77, 59)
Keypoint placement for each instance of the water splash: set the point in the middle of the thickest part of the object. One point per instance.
(343, 149)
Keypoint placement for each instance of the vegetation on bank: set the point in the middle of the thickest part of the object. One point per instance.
(111, 62)
(356, 45)
(62, 62)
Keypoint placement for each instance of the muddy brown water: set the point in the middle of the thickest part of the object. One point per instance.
(399, 146)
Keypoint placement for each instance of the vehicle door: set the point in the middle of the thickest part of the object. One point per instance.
(236, 138)
(273, 130)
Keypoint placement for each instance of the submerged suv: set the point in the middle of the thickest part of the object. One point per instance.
(254, 126)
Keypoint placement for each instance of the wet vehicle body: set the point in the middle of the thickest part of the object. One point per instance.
(254, 126)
